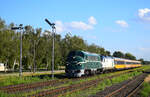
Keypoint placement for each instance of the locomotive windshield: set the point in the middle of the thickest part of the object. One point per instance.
(75, 56)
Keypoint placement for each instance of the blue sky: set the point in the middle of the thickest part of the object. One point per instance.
(122, 25)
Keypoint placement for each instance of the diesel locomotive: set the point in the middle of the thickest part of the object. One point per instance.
(81, 63)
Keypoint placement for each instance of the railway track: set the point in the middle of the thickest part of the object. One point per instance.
(27, 87)
(135, 90)
(37, 85)
(126, 90)
(72, 88)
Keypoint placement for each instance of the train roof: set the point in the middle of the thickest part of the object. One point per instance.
(120, 59)
(86, 53)
(91, 54)
(115, 58)
(109, 57)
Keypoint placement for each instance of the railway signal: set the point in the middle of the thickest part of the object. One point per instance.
(53, 34)
(20, 27)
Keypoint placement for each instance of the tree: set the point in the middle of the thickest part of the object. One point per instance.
(28, 47)
(36, 39)
(130, 56)
(108, 53)
(47, 48)
(118, 54)
(8, 44)
(96, 49)
(142, 60)
(37, 47)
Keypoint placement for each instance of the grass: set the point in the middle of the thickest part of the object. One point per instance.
(27, 74)
(102, 85)
(2, 94)
(145, 92)
(13, 80)
(108, 82)
(17, 80)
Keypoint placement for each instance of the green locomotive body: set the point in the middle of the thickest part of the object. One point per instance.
(82, 63)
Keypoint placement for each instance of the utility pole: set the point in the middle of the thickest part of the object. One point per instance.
(21, 31)
(53, 51)
(34, 69)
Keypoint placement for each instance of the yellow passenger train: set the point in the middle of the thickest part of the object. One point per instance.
(125, 63)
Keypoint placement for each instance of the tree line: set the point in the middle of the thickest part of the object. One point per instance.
(37, 47)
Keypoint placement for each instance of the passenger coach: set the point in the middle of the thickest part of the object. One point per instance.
(125, 63)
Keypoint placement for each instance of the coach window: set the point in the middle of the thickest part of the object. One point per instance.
(118, 62)
(101, 58)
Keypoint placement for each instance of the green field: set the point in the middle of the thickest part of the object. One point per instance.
(13, 80)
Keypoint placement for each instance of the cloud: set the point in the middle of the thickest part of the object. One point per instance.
(122, 23)
(80, 25)
(144, 14)
(75, 25)
(59, 26)
(92, 20)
